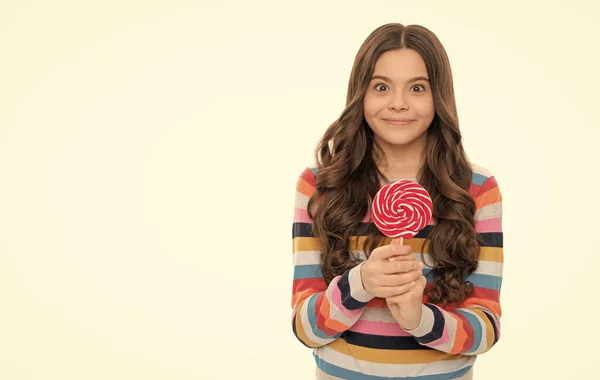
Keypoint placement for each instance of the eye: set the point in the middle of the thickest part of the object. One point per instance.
(377, 85)
(421, 86)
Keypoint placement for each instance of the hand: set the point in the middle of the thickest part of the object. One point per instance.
(406, 308)
(390, 271)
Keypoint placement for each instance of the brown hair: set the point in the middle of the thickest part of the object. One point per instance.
(348, 177)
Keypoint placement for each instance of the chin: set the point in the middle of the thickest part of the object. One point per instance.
(398, 139)
(397, 142)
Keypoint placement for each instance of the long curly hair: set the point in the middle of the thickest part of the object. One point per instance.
(348, 177)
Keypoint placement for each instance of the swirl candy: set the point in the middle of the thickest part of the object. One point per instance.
(401, 209)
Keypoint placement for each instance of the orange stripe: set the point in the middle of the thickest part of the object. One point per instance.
(489, 197)
(305, 188)
(329, 322)
(460, 335)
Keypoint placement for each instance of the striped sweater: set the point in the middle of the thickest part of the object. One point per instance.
(353, 334)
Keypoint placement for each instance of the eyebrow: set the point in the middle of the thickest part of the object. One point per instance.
(409, 81)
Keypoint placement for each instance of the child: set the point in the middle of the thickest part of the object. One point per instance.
(370, 309)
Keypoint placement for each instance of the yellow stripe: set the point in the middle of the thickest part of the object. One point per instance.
(381, 356)
(306, 244)
(489, 330)
(495, 254)
(300, 328)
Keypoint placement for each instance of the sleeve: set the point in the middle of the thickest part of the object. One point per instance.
(473, 327)
(321, 313)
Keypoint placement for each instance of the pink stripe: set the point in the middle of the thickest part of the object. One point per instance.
(301, 215)
(489, 225)
(336, 299)
(378, 328)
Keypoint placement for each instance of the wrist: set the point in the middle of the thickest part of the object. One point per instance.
(424, 325)
(408, 318)
(357, 287)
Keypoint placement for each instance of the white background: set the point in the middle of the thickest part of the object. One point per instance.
(149, 153)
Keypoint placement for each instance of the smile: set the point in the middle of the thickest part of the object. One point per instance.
(398, 122)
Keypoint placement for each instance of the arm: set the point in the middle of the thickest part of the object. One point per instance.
(474, 326)
(321, 313)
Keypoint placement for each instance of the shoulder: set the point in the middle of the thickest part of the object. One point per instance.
(480, 174)
(307, 181)
(484, 186)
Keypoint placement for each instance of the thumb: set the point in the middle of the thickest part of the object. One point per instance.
(397, 242)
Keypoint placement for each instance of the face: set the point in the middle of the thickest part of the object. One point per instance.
(398, 104)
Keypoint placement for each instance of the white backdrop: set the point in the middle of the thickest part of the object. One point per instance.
(149, 153)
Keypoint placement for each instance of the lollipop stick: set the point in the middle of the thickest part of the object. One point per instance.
(399, 240)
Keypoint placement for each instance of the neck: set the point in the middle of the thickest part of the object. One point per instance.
(402, 161)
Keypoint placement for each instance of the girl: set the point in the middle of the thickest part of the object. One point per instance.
(370, 309)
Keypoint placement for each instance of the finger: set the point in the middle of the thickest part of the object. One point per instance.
(400, 279)
(401, 258)
(420, 284)
(390, 250)
(391, 293)
(402, 266)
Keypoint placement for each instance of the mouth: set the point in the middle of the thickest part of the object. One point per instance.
(398, 121)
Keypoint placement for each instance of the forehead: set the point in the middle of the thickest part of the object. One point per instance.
(400, 65)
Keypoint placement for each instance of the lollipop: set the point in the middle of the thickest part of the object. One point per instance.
(401, 209)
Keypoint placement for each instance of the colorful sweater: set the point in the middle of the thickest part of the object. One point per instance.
(354, 335)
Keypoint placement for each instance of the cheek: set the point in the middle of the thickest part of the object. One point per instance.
(367, 107)
(425, 109)
(370, 106)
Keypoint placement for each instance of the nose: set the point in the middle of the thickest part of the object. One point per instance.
(397, 102)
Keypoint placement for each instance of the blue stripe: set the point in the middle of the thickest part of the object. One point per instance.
(476, 325)
(478, 179)
(428, 275)
(481, 280)
(485, 281)
(344, 373)
(307, 271)
(312, 317)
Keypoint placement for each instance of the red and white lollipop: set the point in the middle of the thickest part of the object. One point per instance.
(401, 209)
